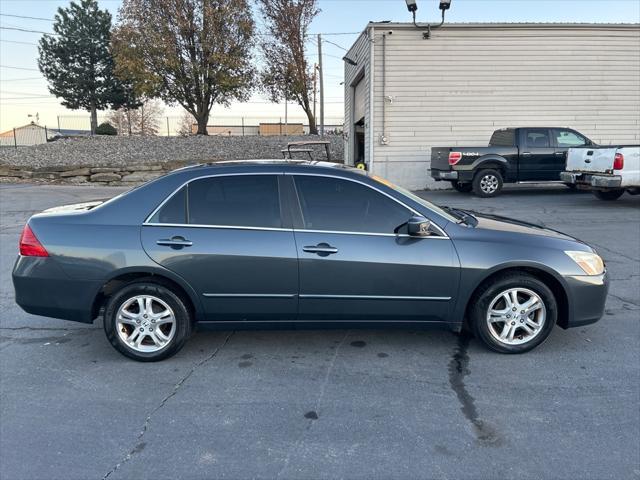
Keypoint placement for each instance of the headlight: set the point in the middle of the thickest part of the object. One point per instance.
(591, 263)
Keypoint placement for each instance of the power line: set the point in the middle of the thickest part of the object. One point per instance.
(26, 30)
(27, 17)
(336, 45)
(17, 41)
(19, 68)
(20, 79)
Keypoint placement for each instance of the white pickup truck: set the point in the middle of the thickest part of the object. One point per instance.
(608, 171)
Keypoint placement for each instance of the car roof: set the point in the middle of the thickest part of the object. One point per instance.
(268, 164)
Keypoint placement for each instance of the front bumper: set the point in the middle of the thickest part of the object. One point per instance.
(587, 298)
(594, 180)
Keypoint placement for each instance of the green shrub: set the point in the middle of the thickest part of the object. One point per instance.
(106, 128)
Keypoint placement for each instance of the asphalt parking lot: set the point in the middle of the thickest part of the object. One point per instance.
(330, 404)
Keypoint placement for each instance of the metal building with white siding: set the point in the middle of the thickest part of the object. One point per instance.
(405, 94)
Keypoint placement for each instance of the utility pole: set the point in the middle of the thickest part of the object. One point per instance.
(321, 85)
(286, 115)
(315, 90)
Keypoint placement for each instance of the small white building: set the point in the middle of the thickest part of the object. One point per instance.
(406, 94)
(25, 136)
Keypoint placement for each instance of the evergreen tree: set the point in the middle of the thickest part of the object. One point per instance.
(77, 62)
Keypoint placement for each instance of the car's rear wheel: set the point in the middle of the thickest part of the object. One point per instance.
(487, 183)
(514, 314)
(147, 321)
(608, 194)
(462, 187)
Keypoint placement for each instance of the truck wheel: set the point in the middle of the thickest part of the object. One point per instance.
(608, 194)
(487, 183)
(462, 187)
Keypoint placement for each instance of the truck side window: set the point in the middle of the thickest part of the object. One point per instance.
(567, 138)
(538, 138)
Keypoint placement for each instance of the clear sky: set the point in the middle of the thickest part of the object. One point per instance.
(23, 92)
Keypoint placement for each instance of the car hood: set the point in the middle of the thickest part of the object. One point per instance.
(504, 224)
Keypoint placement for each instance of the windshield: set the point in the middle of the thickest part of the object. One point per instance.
(416, 198)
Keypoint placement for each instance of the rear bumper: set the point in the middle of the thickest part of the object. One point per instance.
(450, 175)
(42, 288)
(587, 298)
(594, 180)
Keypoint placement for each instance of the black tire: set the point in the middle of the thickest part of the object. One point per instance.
(462, 187)
(608, 195)
(178, 305)
(482, 181)
(481, 302)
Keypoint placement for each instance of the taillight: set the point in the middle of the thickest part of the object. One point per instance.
(618, 162)
(454, 157)
(30, 246)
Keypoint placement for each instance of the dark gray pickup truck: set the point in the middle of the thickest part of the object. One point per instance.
(514, 155)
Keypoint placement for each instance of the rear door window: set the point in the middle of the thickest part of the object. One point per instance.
(537, 138)
(234, 201)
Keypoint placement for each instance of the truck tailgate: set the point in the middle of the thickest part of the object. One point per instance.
(591, 159)
(440, 158)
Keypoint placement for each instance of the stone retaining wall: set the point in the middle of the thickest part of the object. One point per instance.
(117, 175)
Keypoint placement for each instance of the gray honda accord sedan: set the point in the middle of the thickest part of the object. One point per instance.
(299, 244)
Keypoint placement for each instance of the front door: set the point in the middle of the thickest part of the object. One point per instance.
(354, 267)
(226, 237)
(537, 156)
(565, 139)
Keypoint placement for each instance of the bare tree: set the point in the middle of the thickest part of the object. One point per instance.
(196, 53)
(144, 120)
(287, 74)
(185, 128)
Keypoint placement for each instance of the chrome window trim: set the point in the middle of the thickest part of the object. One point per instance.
(441, 233)
(250, 295)
(373, 297)
(412, 210)
(218, 227)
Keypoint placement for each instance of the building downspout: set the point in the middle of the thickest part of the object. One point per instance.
(372, 98)
(383, 135)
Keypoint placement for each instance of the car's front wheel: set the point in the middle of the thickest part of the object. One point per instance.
(514, 314)
(147, 321)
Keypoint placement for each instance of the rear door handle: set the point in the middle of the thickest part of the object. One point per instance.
(526, 154)
(176, 242)
(322, 249)
(559, 153)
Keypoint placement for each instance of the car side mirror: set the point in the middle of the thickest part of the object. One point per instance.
(419, 227)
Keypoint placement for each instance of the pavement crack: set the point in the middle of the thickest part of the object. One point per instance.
(140, 444)
(624, 300)
(458, 370)
(49, 329)
(312, 415)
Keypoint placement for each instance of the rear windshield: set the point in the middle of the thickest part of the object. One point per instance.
(503, 138)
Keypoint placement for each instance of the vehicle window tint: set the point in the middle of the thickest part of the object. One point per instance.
(240, 201)
(503, 138)
(345, 206)
(538, 138)
(174, 211)
(567, 138)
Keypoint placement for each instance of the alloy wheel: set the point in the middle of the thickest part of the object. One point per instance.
(516, 316)
(146, 323)
(489, 184)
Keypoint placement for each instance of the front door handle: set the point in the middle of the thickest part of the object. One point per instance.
(175, 242)
(560, 153)
(322, 249)
(526, 154)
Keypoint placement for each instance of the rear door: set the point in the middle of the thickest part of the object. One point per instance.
(228, 237)
(354, 267)
(537, 155)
